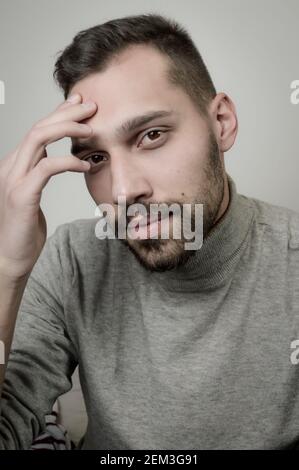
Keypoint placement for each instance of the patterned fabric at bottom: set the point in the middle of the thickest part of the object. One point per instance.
(54, 438)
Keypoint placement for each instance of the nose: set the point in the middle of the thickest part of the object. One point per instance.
(129, 181)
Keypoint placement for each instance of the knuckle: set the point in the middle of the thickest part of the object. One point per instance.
(35, 133)
(38, 123)
(67, 128)
(44, 165)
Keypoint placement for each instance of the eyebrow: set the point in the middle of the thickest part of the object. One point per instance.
(124, 129)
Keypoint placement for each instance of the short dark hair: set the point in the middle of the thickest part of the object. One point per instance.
(92, 49)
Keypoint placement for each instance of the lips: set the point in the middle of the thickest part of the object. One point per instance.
(149, 227)
(148, 220)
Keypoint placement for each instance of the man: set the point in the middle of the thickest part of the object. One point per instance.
(177, 349)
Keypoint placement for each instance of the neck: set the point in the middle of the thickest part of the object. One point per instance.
(225, 200)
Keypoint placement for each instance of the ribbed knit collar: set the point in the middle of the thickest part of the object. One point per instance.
(214, 262)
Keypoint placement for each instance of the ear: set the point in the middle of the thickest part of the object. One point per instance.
(224, 121)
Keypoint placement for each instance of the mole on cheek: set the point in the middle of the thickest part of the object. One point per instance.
(183, 194)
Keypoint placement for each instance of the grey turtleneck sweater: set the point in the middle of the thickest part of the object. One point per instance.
(196, 358)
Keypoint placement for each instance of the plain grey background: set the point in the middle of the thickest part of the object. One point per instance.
(250, 48)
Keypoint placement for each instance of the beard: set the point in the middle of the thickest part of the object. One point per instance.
(167, 254)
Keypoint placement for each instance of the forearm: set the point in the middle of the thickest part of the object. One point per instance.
(11, 293)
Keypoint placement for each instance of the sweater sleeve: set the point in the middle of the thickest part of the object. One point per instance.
(43, 357)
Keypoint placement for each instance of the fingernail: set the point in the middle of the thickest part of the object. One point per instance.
(73, 98)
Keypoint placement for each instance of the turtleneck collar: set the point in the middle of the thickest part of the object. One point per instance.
(213, 263)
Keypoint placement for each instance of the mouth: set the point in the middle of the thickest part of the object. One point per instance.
(148, 227)
(146, 221)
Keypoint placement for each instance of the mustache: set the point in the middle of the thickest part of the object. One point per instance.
(153, 208)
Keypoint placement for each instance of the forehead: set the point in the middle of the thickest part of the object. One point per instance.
(135, 78)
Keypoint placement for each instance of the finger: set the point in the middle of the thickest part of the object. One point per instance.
(71, 112)
(34, 182)
(38, 138)
(72, 99)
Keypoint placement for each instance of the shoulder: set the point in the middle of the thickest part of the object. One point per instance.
(78, 243)
(280, 223)
(76, 231)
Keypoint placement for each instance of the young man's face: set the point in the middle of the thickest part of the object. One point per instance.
(179, 162)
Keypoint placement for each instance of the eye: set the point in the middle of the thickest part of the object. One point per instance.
(94, 159)
(153, 135)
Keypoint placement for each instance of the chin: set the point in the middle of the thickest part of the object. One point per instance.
(159, 254)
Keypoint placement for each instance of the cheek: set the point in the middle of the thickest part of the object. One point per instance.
(98, 187)
(185, 167)
(189, 152)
